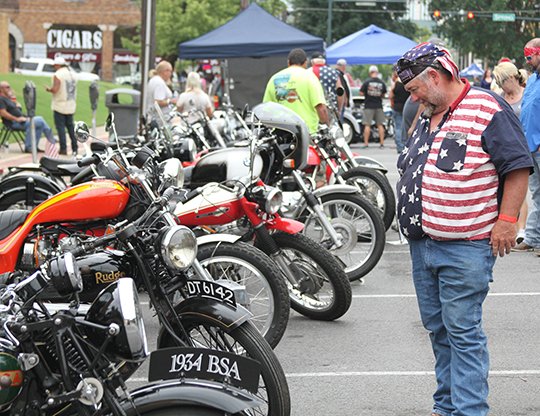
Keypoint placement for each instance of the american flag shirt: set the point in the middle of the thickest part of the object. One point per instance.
(450, 178)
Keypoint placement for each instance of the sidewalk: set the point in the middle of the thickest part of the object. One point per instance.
(14, 157)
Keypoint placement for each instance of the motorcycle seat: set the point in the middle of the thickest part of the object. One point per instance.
(59, 167)
(10, 220)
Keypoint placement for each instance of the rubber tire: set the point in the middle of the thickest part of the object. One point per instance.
(267, 268)
(9, 199)
(279, 400)
(332, 268)
(383, 184)
(379, 231)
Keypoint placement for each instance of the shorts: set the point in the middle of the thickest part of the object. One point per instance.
(373, 113)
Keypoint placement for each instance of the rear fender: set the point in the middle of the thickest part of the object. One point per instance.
(18, 183)
(189, 392)
(348, 115)
(209, 310)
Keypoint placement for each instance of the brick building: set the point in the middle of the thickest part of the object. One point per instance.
(85, 32)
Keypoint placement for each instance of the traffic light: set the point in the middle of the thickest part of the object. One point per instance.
(436, 14)
(470, 15)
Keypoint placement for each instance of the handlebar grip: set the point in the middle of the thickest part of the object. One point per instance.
(191, 194)
(87, 161)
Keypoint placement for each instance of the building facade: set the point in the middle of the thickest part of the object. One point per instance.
(84, 32)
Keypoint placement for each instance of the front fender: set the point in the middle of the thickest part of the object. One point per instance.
(322, 191)
(217, 238)
(369, 162)
(286, 225)
(210, 311)
(189, 392)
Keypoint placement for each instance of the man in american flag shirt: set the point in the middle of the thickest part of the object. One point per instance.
(464, 175)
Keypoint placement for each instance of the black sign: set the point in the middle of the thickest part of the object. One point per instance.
(209, 289)
(201, 363)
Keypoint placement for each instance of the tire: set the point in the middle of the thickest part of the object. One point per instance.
(359, 224)
(244, 340)
(17, 200)
(376, 189)
(249, 266)
(185, 410)
(322, 273)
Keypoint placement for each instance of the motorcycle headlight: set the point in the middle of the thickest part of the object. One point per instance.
(117, 306)
(337, 135)
(268, 198)
(172, 173)
(178, 247)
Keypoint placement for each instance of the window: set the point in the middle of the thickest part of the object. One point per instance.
(28, 65)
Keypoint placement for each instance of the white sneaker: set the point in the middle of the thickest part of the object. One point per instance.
(520, 236)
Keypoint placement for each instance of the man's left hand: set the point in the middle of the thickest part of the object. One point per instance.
(503, 237)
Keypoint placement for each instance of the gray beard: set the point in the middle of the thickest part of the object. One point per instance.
(428, 110)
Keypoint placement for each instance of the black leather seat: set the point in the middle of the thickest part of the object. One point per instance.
(59, 167)
(10, 220)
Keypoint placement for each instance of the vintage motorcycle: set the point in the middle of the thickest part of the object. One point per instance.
(73, 359)
(152, 248)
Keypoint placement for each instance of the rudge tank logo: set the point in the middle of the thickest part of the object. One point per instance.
(102, 278)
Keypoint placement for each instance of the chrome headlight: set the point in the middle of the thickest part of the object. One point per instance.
(337, 135)
(268, 198)
(178, 247)
(118, 307)
(172, 173)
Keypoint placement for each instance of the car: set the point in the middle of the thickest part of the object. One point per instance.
(45, 67)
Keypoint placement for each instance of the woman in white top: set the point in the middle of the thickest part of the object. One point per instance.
(194, 97)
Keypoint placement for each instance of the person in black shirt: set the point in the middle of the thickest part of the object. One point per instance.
(374, 90)
(398, 95)
(13, 117)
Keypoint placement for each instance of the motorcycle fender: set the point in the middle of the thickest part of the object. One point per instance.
(223, 315)
(325, 190)
(369, 162)
(18, 183)
(347, 115)
(287, 225)
(217, 238)
(189, 392)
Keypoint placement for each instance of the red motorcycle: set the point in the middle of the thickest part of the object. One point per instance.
(318, 286)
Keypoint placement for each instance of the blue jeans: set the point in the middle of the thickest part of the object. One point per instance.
(63, 121)
(451, 279)
(532, 229)
(40, 126)
(398, 125)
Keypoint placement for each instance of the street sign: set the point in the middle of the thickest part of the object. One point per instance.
(504, 17)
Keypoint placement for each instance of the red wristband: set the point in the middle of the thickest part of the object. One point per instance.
(508, 218)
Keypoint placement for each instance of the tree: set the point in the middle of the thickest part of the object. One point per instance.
(312, 17)
(481, 35)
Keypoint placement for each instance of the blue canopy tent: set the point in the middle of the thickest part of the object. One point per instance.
(371, 45)
(472, 70)
(252, 33)
(255, 45)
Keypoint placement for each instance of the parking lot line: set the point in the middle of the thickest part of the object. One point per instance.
(408, 295)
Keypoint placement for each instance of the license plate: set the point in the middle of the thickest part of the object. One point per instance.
(206, 364)
(209, 289)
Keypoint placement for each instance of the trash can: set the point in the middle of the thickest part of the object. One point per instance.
(124, 103)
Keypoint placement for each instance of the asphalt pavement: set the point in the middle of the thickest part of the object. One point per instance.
(377, 361)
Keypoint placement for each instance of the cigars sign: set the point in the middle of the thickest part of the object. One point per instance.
(75, 38)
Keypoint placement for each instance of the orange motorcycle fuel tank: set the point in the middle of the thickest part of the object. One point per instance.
(90, 201)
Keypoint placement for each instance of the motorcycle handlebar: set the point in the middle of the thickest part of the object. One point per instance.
(87, 161)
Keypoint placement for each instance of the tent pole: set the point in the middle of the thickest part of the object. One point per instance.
(227, 80)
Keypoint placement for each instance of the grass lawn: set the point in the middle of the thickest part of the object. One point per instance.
(43, 98)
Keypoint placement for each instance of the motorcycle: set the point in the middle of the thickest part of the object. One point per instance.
(342, 167)
(318, 287)
(157, 252)
(64, 360)
(268, 299)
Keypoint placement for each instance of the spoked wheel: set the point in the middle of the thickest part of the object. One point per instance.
(376, 189)
(244, 340)
(248, 266)
(321, 290)
(359, 226)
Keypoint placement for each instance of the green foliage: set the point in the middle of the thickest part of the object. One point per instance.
(312, 17)
(481, 35)
(43, 98)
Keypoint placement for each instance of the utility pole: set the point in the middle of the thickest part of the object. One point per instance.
(148, 25)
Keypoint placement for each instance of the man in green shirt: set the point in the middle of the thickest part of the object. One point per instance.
(300, 90)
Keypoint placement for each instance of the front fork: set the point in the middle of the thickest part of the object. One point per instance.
(315, 208)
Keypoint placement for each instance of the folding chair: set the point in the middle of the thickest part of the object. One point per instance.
(6, 133)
